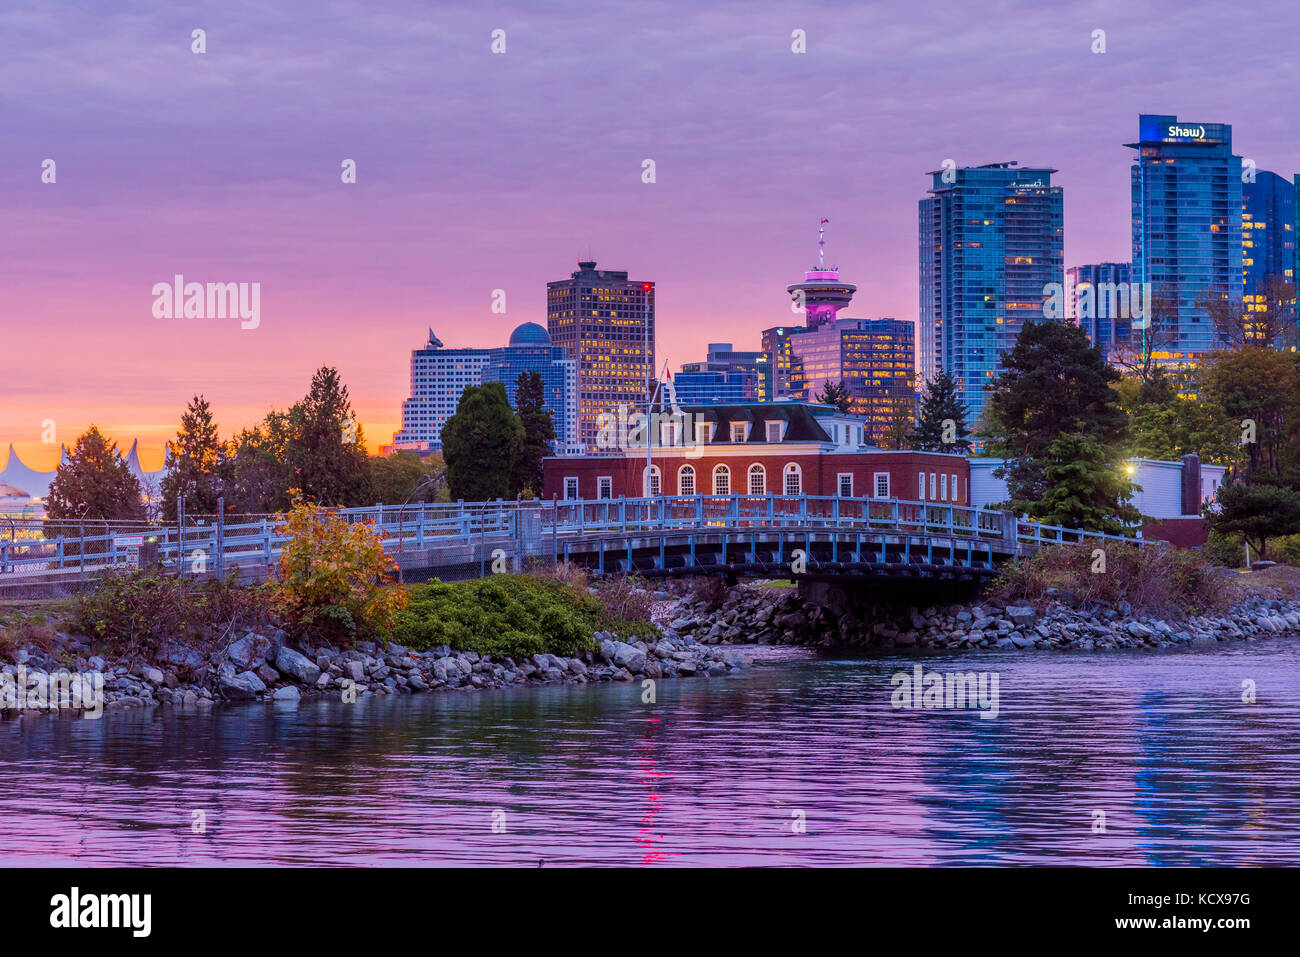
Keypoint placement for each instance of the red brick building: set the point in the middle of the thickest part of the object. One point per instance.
(782, 448)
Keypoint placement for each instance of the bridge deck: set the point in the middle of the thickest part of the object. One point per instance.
(662, 535)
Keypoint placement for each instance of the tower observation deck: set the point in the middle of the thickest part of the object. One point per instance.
(822, 292)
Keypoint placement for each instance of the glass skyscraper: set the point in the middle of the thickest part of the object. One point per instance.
(991, 239)
(874, 358)
(603, 321)
(439, 376)
(724, 376)
(785, 376)
(1268, 238)
(1186, 202)
(530, 350)
(1100, 284)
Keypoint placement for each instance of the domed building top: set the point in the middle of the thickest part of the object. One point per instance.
(530, 334)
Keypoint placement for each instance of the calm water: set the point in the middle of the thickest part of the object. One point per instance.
(715, 773)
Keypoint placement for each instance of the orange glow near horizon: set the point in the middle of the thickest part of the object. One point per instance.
(44, 457)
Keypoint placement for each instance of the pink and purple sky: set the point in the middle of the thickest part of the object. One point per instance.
(478, 171)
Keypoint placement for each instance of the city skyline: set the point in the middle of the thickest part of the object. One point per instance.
(434, 225)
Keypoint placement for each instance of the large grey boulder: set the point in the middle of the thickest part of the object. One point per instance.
(181, 655)
(628, 656)
(241, 687)
(297, 666)
(1022, 615)
(249, 652)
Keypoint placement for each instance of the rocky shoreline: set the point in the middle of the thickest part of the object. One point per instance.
(695, 626)
(767, 615)
(259, 667)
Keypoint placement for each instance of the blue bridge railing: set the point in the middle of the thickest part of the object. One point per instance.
(29, 547)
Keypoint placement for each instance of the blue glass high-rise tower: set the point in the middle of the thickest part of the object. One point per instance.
(991, 239)
(1186, 202)
(1268, 239)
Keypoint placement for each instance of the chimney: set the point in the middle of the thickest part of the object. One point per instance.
(1191, 484)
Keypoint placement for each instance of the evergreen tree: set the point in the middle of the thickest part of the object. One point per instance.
(192, 463)
(480, 443)
(1053, 383)
(1086, 489)
(539, 433)
(836, 394)
(1258, 511)
(941, 426)
(255, 473)
(94, 483)
(326, 451)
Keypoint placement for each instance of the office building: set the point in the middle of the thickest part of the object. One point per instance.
(1098, 300)
(990, 242)
(605, 323)
(874, 358)
(1186, 195)
(724, 376)
(785, 377)
(439, 376)
(1268, 240)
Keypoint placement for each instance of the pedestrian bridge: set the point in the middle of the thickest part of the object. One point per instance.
(733, 535)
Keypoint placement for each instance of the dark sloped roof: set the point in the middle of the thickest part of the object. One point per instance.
(802, 423)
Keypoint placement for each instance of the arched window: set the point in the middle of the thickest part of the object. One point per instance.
(757, 480)
(651, 481)
(793, 479)
(721, 480)
(686, 480)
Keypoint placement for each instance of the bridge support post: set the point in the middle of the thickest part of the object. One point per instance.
(528, 533)
(1010, 528)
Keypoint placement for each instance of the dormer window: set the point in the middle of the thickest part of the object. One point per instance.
(773, 432)
(703, 433)
(737, 431)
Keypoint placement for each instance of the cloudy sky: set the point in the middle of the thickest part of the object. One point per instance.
(478, 171)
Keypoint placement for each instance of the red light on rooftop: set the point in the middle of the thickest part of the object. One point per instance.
(645, 286)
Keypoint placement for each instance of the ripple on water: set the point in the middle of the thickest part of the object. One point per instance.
(800, 761)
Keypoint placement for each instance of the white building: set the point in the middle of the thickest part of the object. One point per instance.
(439, 376)
(1162, 496)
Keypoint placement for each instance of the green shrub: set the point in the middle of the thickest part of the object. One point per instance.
(1226, 549)
(507, 615)
(1288, 549)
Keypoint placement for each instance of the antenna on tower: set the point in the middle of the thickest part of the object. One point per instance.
(821, 244)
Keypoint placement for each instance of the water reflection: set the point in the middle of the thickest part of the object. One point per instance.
(715, 772)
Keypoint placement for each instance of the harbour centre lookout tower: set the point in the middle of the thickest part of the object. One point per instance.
(822, 292)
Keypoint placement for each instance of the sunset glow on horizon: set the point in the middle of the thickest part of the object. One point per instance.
(478, 172)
